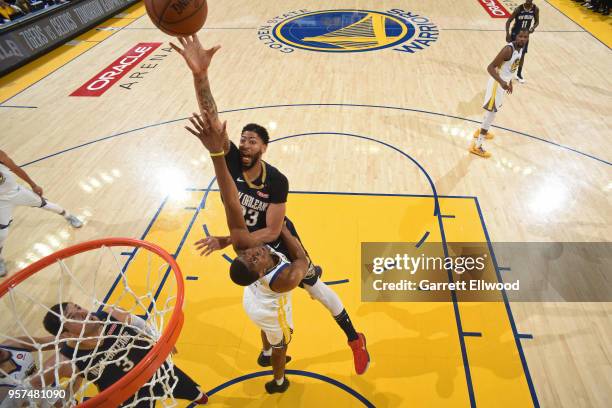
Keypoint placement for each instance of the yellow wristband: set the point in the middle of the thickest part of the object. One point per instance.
(221, 153)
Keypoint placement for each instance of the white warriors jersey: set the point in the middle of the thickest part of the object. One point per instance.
(24, 367)
(261, 288)
(508, 68)
(8, 181)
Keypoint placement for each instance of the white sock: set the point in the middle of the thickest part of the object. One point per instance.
(486, 124)
(49, 206)
(280, 382)
(267, 352)
(480, 140)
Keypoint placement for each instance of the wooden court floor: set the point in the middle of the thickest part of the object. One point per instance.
(369, 142)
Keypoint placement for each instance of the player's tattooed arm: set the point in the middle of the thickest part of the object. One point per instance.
(212, 134)
(504, 55)
(8, 162)
(198, 60)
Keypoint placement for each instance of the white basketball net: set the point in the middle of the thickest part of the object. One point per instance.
(74, 279)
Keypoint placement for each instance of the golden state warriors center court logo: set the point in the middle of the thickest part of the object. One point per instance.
(342, 31)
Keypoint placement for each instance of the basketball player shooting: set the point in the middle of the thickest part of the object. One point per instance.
(501, 70)
(102, 347)
(267, 275)
(263, 191)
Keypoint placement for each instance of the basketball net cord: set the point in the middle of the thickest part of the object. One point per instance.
(163, 381)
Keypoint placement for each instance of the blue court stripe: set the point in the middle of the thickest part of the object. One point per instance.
(342, 193)
(471, 334)
(504, 268)
(178, 251)
(192, 278)
(422, 240)
(338, 282)
(191, 208)
(448, 216)
(348, 105)
(128, 253)
(303, 373)
(517, 341)
(205, 228)
(127, 262)
(525, 336)
(228, 258)
(18, 107)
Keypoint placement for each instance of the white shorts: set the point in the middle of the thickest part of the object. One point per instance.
(494, 96)
(20, 197)
(274, 320)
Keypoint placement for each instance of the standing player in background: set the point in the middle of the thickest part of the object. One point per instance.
(524, 16)
(263, 191)
(13, 195)
(501, 69)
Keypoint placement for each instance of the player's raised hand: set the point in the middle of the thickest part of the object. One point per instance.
(210, 244)
(209, 130)
(197, 57)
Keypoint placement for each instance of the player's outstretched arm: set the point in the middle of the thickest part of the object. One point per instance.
(198, 60)
(299, 264)
(212, 133)
(8, 162)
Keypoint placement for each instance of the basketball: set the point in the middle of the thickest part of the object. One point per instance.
(178, 18)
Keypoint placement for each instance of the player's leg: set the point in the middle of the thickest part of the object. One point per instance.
(265, 357)
(167, 380)
(279, 383)
(187, 389)
(6, 212)
(519, 74)
(332, 302)
(493, 100)
(26, 197)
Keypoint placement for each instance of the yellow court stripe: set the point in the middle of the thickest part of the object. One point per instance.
(598, 25)
(20, 79)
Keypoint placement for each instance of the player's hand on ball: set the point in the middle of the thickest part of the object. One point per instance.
(37, 189)
(197, 57)
(208, 245)
(209, 130)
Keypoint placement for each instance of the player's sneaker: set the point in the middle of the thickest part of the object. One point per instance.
(361, 356)
(203, 400)
(74, 221)
(489, 135)
(520, 79)
(266, 361)
(479, 151)
(272, 387)
(3, 270)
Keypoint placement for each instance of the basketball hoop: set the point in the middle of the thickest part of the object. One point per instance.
(140, 292)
